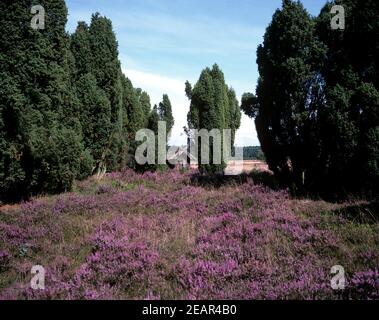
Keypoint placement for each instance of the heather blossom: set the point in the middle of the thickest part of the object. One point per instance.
(159, 235)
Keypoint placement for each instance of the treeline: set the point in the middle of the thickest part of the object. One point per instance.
(66, 109)
(252, 153)
(316, 106)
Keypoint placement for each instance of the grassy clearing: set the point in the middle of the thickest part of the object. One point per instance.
(166, 236)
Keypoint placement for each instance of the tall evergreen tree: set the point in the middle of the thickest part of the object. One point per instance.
(106, 65)
(153, 120)
(132, 106)
(220, 97)
(95, 116)
(317, 98)
(81, 48)
(144, 100)
(213, 106)
(287, 93)
(350, 122)
(233, 116)
(65, 106)
(99, 83)
(41, 140)
(152, 124)
(165, 112)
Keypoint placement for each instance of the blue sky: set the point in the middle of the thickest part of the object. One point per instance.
(163, 43)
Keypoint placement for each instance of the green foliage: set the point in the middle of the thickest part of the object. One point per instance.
(165, 113)
(41, 143)
(106, 66)
(152, 124)
(317, 98)
(57, 158)
(153, 120)
(213, 106)
(95, 116)
(233, 114)
(132, 106)
(352, 99)
(97, 77)
(113, 110)
(188, 90)
(144, 100)
(252, 153)
(66, 109)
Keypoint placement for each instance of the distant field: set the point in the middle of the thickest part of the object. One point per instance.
(246, 166)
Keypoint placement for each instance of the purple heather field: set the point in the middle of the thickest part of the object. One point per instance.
(161, 236)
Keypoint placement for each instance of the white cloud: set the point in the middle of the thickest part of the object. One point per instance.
(247, 135)
(156, 85)
(156, 81)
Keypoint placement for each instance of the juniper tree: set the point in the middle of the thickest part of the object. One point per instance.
(165, 113)
(81, 48)
(287, 93)
(220, 97)
(350, 122)
(213, 106)
(132, 106)
(95, 116)
(234, 114)
(317, 98)
(144, 100)
(103, 117)
(152, 124)
(106, 65)
(41, 141)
